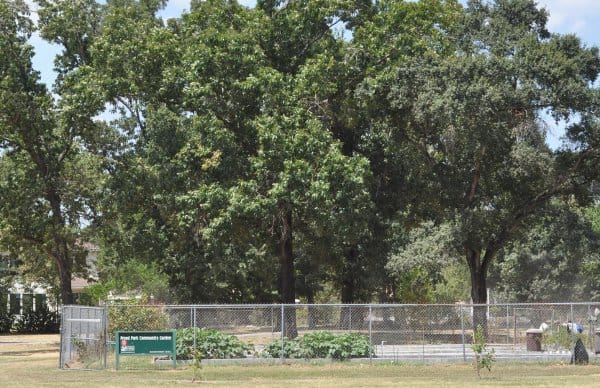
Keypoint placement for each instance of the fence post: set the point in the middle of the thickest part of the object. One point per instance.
(370, 335)
(462, 330)
(572, 319)
(62, 337)
(105, 323)
(515, 326)
(282, 331)
(193, 316)
(590, 328)
(350, 319)
(507, 325)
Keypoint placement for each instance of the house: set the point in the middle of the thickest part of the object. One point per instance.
(18, 296)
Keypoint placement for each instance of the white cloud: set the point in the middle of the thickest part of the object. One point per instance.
(574, 16)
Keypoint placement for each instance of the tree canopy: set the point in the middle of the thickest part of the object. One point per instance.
(264, 154)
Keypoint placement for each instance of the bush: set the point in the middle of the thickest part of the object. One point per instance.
(317, 344)
(211, 343)
(136, 318)
(561, 339)
(6, 321)
(40, 321)
(322, 344)
(351, 345)
(291, 349)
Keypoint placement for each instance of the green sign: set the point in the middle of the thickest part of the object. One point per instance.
(136, 343)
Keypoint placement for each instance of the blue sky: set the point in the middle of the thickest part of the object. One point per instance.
(581, 17)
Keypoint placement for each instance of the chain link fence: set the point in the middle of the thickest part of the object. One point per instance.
(418, 333)
(83, 337)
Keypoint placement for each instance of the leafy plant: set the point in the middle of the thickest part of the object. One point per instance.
(484, 357)
(351, 345)
(561, 338)
(290, 349)
(40, 321)
(136, 318)
(197, 363)
(322, 344)
(316, 344)
(210, 343)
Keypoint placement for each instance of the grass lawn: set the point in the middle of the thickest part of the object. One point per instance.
(32, 361)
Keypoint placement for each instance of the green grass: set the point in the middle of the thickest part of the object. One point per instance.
(29, 368)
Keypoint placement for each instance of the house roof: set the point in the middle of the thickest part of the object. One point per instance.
(79, 284)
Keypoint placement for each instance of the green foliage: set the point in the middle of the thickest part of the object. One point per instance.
(99, 291)
(255, 151)
(40, 321)
(210, 343)
(415, 286)
(592, 213)
(130, 277)
(561, 338)
(50, 172)
(290, 348)
(553, 261)
(132, 317)
(322, 344)
(454, 285)
(197, 363)
(317, 344)
(426, 267)
(484, 358)
(6, 321)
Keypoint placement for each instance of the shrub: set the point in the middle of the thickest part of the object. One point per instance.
(484, 357)
(317, 344)
(561, 339)
(322, 344)
(6, 321)
(136, 318)
(40, 321)
(351, 345)
(291, 349)
(210, 343)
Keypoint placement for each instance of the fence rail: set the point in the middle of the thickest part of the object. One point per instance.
(394, 331)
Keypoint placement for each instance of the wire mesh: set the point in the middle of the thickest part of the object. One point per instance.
(396, 332)
(83, 338)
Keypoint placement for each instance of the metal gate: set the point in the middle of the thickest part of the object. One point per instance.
(83, 337)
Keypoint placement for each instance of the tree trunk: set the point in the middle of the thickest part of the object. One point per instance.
(478, 270)
(64, 271)
(348, 288)
(61, 247)
(286, 268)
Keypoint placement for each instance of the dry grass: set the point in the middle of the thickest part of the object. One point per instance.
(28, 361)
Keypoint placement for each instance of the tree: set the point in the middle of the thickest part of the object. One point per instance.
(475, 118)
(48, 174)
(385, 35)
(549, 262)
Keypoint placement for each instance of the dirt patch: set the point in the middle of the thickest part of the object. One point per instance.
(29, 344)
(29, 338)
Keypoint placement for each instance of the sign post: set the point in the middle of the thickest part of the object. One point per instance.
(136, 343)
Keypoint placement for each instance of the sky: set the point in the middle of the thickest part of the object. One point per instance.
(580, 17)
